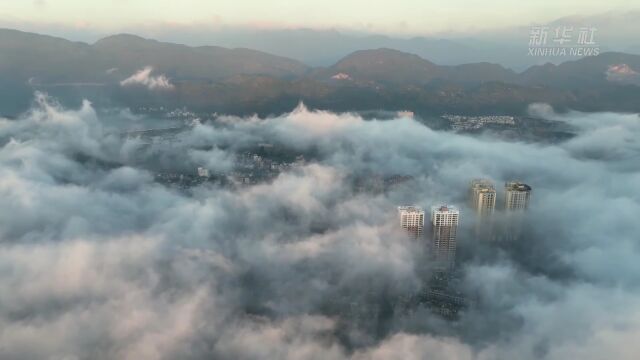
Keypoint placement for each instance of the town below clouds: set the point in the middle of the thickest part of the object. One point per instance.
(128, 236)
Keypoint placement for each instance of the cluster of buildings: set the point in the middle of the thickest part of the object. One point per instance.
(181, 113)
(441, 234)
(155, 136)
(184, 181)
(461, 123)
(445, 219)
(252, 168)
(443, 223)
(515, 200)
(482, 196)
(377, 183)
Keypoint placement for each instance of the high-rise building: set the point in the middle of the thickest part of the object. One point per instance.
(482, 199)
(516, 196)
(444, 226)
(482, 196)
(516, 200)
(412, 220)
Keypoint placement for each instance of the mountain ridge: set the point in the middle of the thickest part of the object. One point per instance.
(219, 78)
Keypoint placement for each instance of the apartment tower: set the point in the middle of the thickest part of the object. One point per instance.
(444, 226)
(412, 220)
(516, 196)
(482, 196)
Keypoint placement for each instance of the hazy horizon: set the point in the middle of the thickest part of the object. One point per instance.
(407, 19)
(324, 44)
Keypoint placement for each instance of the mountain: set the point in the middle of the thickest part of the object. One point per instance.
(25, 55)
(588, 71)
(395, 67)
(129, 53)
(46, 59)
(384, 65)
(31, 61)
(321, 47)
(480, 72)
(244, 81)
(387, 66)
(393, 80)
(616, 31)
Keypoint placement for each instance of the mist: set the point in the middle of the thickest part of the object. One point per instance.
(100, 259)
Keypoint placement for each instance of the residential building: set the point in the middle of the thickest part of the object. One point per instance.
(444, 226)
(516, 196)
(412, 220)
(482, 194)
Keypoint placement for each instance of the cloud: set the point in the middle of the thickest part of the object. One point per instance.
(622, 73)
(100, 259)
(144, 78)
(408, 346)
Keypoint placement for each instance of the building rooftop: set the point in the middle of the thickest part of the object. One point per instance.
(486, 189)
(482, 184)
(444, 208)
(517, 186)
(410, 208)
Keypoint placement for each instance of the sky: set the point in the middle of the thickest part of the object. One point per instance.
(405, 17)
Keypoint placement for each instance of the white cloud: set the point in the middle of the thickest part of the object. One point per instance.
(144, 78)
(98, 260)
(415, 347)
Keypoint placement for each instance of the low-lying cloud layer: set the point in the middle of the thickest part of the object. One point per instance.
(98, 260)
(144, 78)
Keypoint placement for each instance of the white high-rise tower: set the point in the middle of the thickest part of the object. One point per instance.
(482, 196)
(482, 199)
(516, 201)
(412, 220)
(444, 225)
(516, 196)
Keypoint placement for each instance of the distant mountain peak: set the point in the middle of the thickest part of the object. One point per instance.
(386, 65)
(119, 38)
(384, 53)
